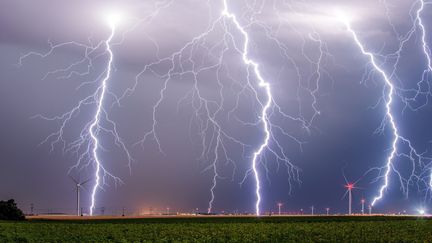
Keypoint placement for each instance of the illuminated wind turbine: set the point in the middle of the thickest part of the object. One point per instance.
(78, 187)
(349, 187)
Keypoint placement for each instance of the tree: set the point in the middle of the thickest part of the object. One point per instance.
(10, 211)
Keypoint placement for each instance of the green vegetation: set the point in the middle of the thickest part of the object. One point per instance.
(265, 229)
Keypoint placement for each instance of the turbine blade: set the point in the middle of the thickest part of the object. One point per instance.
(343, 174)
(86, 181)
(73, 179)
(344, 195)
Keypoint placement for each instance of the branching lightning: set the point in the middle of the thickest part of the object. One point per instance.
(427, 52)
(426, 49)
(87, 145)
(417, 97)
(94, 127)
(412, 97)
(414, 157)
(389, 98)
(266, 106)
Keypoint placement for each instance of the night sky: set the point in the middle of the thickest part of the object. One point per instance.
(303, 51)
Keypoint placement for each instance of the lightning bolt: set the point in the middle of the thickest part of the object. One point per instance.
(423, 88)
(426, 49)
(427, 53)
(413, 154)
(87, 144)
(264, 118)
(95, 127)
(389, 114)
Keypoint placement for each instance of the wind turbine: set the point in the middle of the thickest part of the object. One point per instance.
(279, 204)
(363, 204)
(349, 186)
(79, 185)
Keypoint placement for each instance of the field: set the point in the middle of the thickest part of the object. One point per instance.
(222, 229)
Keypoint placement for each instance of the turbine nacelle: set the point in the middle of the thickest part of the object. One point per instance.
(349, 186)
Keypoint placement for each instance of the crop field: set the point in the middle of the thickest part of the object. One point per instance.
(222, 229)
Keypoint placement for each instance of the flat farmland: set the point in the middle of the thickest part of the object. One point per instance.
(219, 229)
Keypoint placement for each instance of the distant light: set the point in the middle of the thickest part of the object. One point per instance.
(421, 211)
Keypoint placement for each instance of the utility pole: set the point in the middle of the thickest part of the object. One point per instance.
(312, 209)
(31, 208)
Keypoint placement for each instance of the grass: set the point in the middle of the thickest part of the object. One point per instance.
(265, 229)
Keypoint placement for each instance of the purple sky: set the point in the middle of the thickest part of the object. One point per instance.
(285, 39)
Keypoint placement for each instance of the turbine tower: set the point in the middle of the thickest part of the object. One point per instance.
(78, 187)
(349, 187)
(363, 204)
(279, 207)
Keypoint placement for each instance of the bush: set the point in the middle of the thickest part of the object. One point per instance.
(10, 211)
